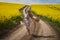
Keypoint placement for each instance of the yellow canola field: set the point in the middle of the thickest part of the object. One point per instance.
(9, 10)
(50, 11)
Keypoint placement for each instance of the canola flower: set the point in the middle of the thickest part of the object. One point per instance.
(8, 10)
(50, 11)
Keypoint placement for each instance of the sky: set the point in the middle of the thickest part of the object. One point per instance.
(32, 1)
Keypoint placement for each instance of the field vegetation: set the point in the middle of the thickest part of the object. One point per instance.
(9, 14)
(48, 12)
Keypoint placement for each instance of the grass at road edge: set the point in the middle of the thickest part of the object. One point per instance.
(54, 23)
(7, 24)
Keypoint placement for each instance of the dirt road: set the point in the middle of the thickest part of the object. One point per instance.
(43, 31)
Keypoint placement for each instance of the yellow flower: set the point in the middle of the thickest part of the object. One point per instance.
(50, 11)
(8, 11)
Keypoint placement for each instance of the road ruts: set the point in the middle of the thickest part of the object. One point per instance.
(40, 30)
(43, 31)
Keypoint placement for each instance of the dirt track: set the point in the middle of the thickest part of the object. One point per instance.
(43, 30)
